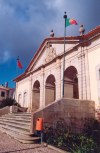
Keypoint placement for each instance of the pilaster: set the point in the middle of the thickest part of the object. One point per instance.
(87, 75)
(30, 93)
(82, 75)
(42, 89)
(58, 79)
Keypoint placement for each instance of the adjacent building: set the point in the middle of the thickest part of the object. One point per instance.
(6, 92)
(42, 82)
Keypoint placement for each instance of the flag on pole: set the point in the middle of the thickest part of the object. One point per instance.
(70, 22)
(19, 64)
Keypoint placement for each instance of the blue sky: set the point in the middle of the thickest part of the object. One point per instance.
(24, 24)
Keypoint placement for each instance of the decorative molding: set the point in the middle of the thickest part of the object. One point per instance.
(82, 55)
(50, 53)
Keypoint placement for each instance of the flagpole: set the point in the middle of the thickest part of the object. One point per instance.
(65, 17)
(16, 67)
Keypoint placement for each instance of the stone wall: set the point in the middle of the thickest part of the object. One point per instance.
(71, 111)
(4, 110)
(11, 109)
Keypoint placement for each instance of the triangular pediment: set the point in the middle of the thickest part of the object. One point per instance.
(48, 51)
(48, 54)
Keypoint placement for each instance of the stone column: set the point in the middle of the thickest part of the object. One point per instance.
(87, 75)
(42, 89)
(58, 79)
(16, 92)
(82, 75)
(30, 94)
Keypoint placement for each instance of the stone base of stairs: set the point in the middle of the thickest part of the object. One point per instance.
(17, 125)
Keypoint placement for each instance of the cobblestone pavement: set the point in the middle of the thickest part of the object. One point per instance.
(10, 145)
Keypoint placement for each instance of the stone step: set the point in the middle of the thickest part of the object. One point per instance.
(23, 137)
(21, 122)
(16, 119)
(17, 125)
(4, 128)
(12, 117)
(21, 113)
(35, 140)
(25, 128)
(17, 116)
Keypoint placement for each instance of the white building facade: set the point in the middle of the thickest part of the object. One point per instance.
(42, 82)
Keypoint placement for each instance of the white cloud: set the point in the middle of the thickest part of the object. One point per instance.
(4, 56)
(55, 4)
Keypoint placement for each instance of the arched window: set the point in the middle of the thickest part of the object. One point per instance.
(25, 99)
(71, 83)
(36, 96)
(50, 90)
(20, 99)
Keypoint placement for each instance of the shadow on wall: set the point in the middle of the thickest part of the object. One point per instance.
(71, 111)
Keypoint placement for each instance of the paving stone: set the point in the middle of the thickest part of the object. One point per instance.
(10, 145)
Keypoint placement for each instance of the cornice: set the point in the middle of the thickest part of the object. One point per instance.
(84, 40)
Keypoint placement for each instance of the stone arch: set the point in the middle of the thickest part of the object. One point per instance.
(25, 98)
(71, 83)
(50, 89)
(36, 96)
(20, 98)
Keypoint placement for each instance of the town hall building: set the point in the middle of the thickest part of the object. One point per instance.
(42, 82)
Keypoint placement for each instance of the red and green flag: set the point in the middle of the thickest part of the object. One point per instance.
(70, 22)
(19, 64)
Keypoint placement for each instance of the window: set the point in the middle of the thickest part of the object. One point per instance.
(19, 98)
(2, 94)
(25, 99)
(99, 74)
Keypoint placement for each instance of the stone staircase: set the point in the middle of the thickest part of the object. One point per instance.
(17, 125)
